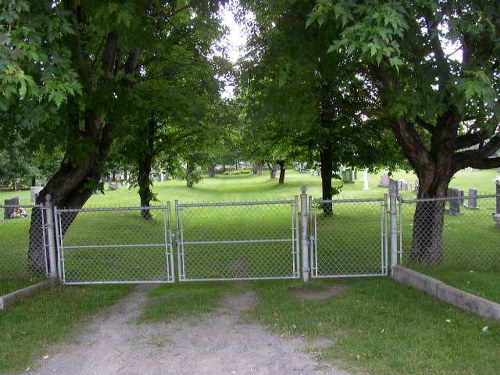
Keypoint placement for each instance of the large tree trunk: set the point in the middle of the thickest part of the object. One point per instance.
(190, 171)
(428, 220)
(434, 169)
(281, 164)
(72, 185)
(212, 171)
(257, 169)
(326, 157)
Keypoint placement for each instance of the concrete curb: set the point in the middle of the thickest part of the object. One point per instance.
(9, 299)
(456, 297)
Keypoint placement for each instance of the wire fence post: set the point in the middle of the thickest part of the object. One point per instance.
(393, 193)
(49, 209)
(305, 242)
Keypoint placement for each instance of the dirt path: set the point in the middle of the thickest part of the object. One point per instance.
(216, 344)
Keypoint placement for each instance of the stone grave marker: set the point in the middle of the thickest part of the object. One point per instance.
(384, 180)
(15, 202)
(454, 203)
(472, 204)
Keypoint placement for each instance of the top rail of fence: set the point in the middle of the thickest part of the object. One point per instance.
(350, 200)
(447, 199)
(225, 204)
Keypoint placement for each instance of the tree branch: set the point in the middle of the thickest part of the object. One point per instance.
(424, 124)
(472, 159)
(469, 140)
(491, 147)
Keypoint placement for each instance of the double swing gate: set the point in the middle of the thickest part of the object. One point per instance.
(222, 241)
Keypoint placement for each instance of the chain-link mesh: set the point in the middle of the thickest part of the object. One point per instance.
(348, 238)
(22, 242)
(115, 245)
(245, 240)
(450, 233)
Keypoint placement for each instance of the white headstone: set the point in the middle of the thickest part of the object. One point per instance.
(365, 180)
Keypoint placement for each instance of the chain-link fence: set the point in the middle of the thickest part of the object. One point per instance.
(115, 245)
(238, 240)
(251, 240)
(349, 237)
(455, 233)
(22, 232)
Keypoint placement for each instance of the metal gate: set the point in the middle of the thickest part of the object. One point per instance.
(238, 240)
(348, 237)
(115, 245)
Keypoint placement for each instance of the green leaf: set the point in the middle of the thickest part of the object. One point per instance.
(125, 17)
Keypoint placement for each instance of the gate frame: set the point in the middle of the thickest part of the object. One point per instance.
(313, 242)
(294, 240)
(167, 230)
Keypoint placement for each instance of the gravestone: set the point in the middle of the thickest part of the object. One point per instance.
(35, 190)
(384, 180)
(14, 203)
(461, 194)
(473, 193)
(454, 202)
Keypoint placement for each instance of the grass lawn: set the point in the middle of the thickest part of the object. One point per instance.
(375, 325)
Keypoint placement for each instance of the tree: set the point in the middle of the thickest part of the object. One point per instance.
(315, 101)
(174, 94)
(84, 57)
(436, 68)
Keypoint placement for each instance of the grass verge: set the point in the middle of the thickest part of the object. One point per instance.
(384, 328)
(48, 317)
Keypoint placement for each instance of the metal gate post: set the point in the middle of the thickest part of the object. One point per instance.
(305, 241)
(50, 227)
(393, 193)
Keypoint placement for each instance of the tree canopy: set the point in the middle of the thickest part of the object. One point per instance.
(436, 68)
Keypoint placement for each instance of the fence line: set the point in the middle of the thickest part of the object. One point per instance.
(249, 240)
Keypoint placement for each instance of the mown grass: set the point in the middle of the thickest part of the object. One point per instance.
(375, 326)
(383, 328)
(50, 316)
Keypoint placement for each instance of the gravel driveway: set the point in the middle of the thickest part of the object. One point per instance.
(217, 343)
